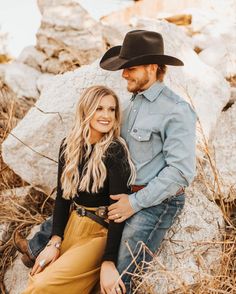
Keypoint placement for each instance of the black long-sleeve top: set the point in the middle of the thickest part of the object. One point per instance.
(118, 172)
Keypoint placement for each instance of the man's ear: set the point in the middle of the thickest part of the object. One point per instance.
(154, 67)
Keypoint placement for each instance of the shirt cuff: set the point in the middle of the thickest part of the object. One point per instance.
(134, 203)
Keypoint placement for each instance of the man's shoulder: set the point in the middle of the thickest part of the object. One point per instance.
(165, 102)
(171, 96)
(173, 102)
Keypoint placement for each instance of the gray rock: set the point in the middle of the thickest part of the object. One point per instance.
(21, 79)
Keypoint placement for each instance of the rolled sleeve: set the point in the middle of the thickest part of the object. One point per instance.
(179, 133)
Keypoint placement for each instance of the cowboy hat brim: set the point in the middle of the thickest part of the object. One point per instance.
(112, 61)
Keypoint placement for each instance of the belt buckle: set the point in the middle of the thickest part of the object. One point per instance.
(101, 211)
(81, 211)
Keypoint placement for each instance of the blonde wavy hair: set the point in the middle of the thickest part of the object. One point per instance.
(76, 146)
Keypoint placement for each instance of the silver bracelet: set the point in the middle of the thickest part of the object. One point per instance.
(57, 244)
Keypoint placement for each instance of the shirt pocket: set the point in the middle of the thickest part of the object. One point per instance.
(141, 147)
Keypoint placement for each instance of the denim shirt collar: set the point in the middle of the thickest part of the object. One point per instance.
(153, 92)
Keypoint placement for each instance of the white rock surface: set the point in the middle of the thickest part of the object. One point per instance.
(211, 25)
(16, 192)
(188, 254)
(16, 277)
(3, 232)
(223, 143)
(46, 124)
(32, 57)
(68, 36)
(222, 56)
(21, 79)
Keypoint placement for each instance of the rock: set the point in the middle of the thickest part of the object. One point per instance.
(67, 42)
(4, 227)
(190, 251)
(32, 57)
(221, 56)
(213, 24)
(16, 277)
(114, 34)
(43, 80)
(21, 79)
(19, 192)
(223, 143)
(148, 8)
(232, 95)
(180, 19)
(36, 162)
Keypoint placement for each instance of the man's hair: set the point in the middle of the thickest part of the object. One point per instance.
(161, 71)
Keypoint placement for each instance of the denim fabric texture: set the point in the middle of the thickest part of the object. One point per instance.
(159, 128)
(41, 238)
(148, 226)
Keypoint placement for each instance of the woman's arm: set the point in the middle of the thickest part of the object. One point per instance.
(118, 171)
(49, 254)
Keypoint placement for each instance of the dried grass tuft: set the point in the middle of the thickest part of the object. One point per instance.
(17, 212)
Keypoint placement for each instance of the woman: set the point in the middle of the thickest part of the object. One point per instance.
(93, 163)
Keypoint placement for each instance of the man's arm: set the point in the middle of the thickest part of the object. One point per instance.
(179, 131)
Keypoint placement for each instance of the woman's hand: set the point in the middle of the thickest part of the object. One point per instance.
(49, 254)
(110, 280)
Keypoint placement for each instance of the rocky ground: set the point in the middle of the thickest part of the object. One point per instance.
(39, 90)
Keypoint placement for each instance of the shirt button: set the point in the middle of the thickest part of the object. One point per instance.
(135, 130)
(139, 137)
(128, 130)
(134, 110)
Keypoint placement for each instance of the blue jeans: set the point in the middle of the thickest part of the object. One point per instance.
(41, 238)
(147, 226)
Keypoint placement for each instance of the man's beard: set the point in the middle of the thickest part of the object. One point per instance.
(138, 85)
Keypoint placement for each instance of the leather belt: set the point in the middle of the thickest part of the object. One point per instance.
(98, 214)
(136, 188)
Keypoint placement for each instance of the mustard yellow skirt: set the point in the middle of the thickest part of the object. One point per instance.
(78, 267)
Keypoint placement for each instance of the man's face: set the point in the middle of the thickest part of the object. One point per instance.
(139, 78)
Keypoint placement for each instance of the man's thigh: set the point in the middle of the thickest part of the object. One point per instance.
(148, 226)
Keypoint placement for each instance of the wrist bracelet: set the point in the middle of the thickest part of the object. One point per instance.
(57, 244)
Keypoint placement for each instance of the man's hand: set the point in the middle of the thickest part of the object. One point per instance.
(121, 210)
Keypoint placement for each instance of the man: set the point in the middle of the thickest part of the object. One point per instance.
(159, 128)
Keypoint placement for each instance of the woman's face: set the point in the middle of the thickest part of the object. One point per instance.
(104, 118)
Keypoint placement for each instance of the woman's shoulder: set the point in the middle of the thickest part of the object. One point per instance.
(116, 151)
(116, 146)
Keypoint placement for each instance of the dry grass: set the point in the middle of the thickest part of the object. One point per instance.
(221, 281)
(16, 211)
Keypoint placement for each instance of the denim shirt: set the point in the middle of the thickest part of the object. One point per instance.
(160, 130)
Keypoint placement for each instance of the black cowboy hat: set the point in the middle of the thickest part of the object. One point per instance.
(140, 47)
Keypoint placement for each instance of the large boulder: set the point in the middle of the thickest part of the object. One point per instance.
(27, 149)
(222, 56)
(68, 36)
(223, 145)
(191, 250)
(32, 57)
(21, 79)
(16, 277)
